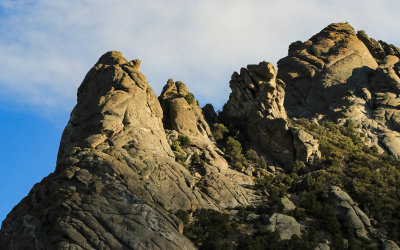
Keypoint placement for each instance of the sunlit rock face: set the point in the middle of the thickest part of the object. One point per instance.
(116, 183)
(338, 75)
(129, 160)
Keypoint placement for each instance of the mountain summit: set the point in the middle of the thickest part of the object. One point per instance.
(287, 163)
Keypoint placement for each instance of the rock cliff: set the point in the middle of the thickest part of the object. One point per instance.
(137, 171)
(256, 107)
(338, 75)
(116, 176)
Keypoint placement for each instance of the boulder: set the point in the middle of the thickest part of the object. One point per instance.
(305, 146)
(286, 225)
(347, 211)
(322, 246)
(287, 204)
(389, 245)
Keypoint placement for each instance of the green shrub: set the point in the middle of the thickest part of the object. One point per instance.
(211, 230)
(297, 165)
(190, 98)
(180, 158)
(175, 147)
(262, 163)
(184, 141)
(201, 183)
(183, 215)
(252, 155)
(219, 130)
(233, 151)
(196, 160)
(374, 149)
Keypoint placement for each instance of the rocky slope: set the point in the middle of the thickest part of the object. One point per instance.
(137, 171)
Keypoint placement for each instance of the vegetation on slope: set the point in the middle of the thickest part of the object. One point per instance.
(347, 162)
(368, 177)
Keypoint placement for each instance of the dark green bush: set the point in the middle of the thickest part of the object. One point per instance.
(211, 230)
(180, 158)
(175, 147)
(184, 141)
(252, 155)
(196, 160)
(219, 130)
(233, 151)
(183, 215)
(190, 98)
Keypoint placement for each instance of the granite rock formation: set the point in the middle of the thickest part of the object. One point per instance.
(338, 75)
(183, 117)
(348, 211)
(256, 106)
(116, 176)
(130, 162)
(286, 225)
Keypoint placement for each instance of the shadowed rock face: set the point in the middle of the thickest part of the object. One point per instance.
(116, 175)
(256, 106)
(339, 75)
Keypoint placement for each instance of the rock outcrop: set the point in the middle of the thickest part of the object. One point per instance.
(347, 211)
(184, 117)
(389, 245)
(209, 113)
(130, 163)
(116, 177)
(256, 107)
(318, 72)
(339, 75)
(378, 49)
(286, 225)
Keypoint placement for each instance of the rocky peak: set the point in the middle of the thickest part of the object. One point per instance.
(174, 89)
(181, 110)
(256, 107)
(255, 91)
(117, 181)
(112, 58)
(183, 117)
(130, 162)
(209, 113)
(110, 99)
(335, 76)
(319, 71)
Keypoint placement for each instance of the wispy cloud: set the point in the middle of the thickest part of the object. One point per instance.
(48, 46)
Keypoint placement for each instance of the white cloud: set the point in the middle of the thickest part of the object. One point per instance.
(48, 46)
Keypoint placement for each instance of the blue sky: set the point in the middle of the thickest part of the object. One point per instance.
(47, 47)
